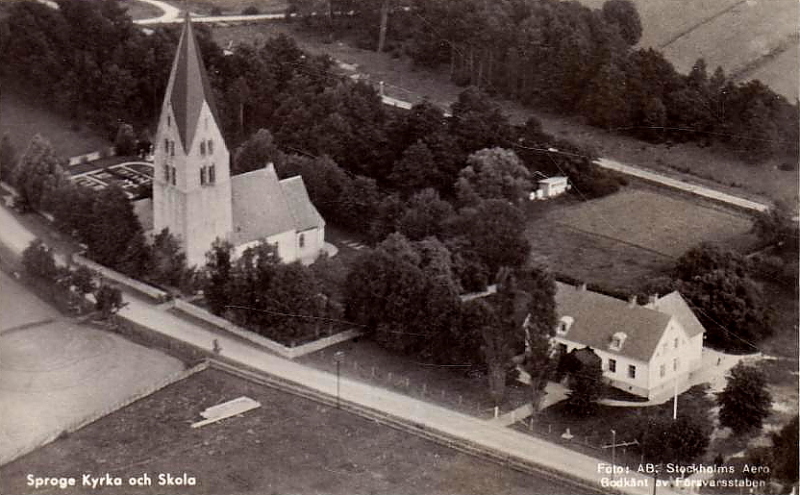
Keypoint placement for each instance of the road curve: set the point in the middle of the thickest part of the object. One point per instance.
(172, 15)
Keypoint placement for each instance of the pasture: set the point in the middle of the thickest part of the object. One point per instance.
(732, 34)
(288, 445)
(23, 120)
(624, 239)
(54, 373)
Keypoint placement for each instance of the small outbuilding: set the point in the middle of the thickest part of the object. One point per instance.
(553, 186)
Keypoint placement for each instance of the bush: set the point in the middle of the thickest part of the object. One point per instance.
(216, 11)
(787, 166)
(251, 10)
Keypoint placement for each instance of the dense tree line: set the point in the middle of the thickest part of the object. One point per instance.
(290, 303)
(720, 287)
(406, 295)
(573, 59)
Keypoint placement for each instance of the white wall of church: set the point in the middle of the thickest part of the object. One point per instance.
(196, 211)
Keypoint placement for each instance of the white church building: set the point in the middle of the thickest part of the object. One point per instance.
(194, 195)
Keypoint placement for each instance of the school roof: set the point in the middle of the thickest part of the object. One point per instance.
(598, 317)
(553, 180)
(263, 206)
(675, 305)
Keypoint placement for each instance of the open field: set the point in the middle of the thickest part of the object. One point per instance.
(232, 7)
(624, 239)
(140, 10)
(22, 120)
(54, 373)
(732, 34)
(288, 445)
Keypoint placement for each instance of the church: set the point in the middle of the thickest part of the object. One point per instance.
(194, 195)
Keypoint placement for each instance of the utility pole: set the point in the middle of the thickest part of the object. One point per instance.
(384, 22)
(613, 455)
(338, 356)
(675, 400)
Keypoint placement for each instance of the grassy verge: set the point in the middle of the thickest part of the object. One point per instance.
(450, 386)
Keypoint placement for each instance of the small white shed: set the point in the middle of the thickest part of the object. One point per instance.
(553, 186)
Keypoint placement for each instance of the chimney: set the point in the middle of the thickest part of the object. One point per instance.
(582, 287)
(632, 301)
(651, 301)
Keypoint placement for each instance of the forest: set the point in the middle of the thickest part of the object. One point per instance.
(565, 57)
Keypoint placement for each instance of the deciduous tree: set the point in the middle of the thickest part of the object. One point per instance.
(745, 402)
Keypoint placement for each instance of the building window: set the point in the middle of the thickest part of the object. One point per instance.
(663, 370)
(210, 146)
(166, 145)
(169, 121)
(617, 341)
(676, 342)
(203, 148)
(202, 176)
(562, 348)
(675, 364)
(212, 174)
(302, 240)
(172, 148)
(612, 365)
(166, 173)
(174, 175)
(631, 371)
(564, 324)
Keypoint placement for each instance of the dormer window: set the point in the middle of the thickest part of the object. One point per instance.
(203, 148)
(210, 146)
(617, 341)
(564, 324)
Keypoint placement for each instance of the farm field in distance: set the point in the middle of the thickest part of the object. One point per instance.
(624, 239)
(23, 120)
(288, 445)
(733, 34)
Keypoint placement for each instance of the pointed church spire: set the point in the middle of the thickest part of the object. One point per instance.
(189, 86)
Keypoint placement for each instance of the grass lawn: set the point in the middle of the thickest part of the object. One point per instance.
(624, 239)
(449, 386)
(22, 120)
(288, 445)
(140, 10)
(233, 7)
(717, 168)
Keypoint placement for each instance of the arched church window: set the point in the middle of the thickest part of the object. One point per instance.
(202, 148)
(302, 240)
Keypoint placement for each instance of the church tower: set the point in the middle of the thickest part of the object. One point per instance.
(191, 183)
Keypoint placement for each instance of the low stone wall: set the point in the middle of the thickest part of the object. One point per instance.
(280, 349)
(108, 273)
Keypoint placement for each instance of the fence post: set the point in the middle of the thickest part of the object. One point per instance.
(460, 399)
(373, 372)
(443, 392)
(390, 377)
(424, 387)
